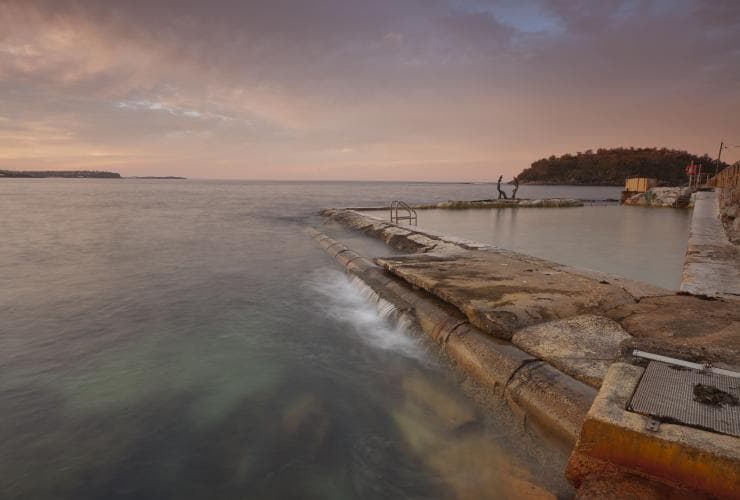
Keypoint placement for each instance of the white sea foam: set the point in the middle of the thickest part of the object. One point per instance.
(373, 320)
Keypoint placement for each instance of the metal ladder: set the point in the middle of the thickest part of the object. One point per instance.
(409, 213)
(682, 201)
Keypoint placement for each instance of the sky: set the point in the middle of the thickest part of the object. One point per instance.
(428, 90)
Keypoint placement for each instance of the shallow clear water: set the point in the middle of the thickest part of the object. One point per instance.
(645, 244)
(186, 339)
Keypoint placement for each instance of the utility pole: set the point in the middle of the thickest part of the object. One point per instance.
(719, 155)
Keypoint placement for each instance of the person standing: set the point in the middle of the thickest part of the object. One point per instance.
(501, 194)
(516, 188)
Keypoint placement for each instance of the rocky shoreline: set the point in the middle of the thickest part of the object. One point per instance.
(663, 197)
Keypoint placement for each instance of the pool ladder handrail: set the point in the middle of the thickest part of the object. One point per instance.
(410, 212)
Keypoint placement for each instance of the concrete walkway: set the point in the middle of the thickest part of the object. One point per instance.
(501, 292)
(546, 336)
(550, 398)
(712, 266)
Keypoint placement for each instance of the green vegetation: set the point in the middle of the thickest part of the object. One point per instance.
(610, 167)
(59, 173)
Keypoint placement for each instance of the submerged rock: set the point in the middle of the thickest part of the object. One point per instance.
(467, 461)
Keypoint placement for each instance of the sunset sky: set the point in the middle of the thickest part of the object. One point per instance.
(455, 90)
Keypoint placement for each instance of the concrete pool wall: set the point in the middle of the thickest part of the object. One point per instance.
(541, 334)
(640, 243)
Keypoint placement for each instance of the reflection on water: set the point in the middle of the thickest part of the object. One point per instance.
(644, 244)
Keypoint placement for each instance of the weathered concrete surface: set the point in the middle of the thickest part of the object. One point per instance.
(491, 361)
(583, 346)
(501, 294)
(516, 287)
(637, 289)
(491, 203)
(550, 397)
(411, 239)
(552, 400)
(509, 203)
(718, 356)
(712, 265)
(404, 238)
(614, 440)
(683, 320)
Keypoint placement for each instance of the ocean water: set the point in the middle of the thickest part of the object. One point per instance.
(186, 339)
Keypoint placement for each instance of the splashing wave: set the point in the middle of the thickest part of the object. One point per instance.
(372, 319)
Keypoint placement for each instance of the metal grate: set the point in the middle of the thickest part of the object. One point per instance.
(666, 393)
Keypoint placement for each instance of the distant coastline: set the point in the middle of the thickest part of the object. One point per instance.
(75, 174)
(67, 174)
(165, 177)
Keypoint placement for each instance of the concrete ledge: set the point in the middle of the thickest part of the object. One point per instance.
(411, 239)
(581, 346)
(508, 203)
(614, 440)
(404, 238)
(550, 399)
(515, 290)
(500, 293)
(490, 361)
(712, 266)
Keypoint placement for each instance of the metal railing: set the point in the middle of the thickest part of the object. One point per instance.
(408, 213)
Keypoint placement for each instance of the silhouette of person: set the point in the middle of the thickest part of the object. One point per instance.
(501, 194)
(516, 188)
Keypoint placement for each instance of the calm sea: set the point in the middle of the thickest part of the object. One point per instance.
(185, 339)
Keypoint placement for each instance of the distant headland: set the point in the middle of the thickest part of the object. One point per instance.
(73, 174)
(610, 167)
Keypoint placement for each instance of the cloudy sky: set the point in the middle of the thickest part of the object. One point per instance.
(360, 89)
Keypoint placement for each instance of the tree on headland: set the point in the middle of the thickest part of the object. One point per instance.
(612, 166)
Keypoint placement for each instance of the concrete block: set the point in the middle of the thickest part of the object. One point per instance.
(582, 346)
(555, 401)
(490, 361)
(346, 256)
(501, 293)
(615, 440)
